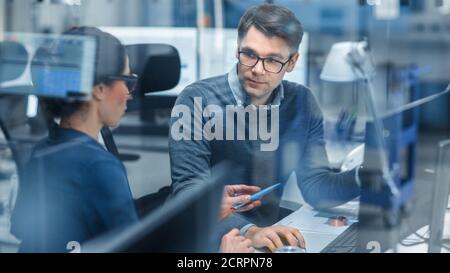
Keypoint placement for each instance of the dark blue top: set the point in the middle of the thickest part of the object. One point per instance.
(301, 149)
(71, 190)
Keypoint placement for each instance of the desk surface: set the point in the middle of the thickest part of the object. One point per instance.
(318, 234)
(424, 232)
(314, 224)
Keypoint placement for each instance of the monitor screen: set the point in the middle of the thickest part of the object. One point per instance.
(403, 195)
(47, 65)
(392, 214)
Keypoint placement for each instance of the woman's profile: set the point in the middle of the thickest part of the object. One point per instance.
(74, 190)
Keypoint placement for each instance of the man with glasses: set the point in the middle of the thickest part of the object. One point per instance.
(268, 44)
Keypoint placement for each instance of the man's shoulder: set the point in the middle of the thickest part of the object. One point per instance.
(207, 84)
(207, 88)
(293, 90)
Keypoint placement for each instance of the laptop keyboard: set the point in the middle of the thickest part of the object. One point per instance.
(344, 243)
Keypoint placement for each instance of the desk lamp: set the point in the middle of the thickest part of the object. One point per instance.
(349, 62)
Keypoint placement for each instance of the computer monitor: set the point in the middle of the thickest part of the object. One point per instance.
(47, 65)
(385, 218)
(441, 193)
(185, 224)
(383, 209)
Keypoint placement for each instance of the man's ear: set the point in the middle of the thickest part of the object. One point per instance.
(99, 92)
(293, 62)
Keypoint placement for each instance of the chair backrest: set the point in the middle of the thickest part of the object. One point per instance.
(159, 69)
(158, 66)
(14, 59)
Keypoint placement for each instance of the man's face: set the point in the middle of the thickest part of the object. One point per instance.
(259, 83)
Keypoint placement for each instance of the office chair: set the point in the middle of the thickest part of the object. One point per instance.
(15, 84)
(159, 71)
(14, 122)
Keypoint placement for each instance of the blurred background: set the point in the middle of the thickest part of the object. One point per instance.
(409, 41)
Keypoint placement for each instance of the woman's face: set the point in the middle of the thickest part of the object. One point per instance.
(114, 104)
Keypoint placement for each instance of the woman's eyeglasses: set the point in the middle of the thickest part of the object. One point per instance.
(130, 80)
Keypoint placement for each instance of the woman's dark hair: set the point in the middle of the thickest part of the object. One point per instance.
(110, 61)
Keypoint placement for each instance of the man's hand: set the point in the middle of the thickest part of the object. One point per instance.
(238, 194)
(234, 243)
(275, 237)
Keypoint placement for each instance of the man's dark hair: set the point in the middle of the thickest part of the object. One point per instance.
(110, 60)
(273, 21)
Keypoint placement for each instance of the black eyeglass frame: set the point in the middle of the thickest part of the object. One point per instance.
(130, 80)
(258, 58)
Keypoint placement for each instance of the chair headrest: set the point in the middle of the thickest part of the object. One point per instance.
(13, 60)
(158, 66)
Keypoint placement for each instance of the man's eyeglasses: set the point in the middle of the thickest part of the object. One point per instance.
(130, 80)
(250, 59)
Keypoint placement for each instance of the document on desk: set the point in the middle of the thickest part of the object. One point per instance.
(315, 228)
